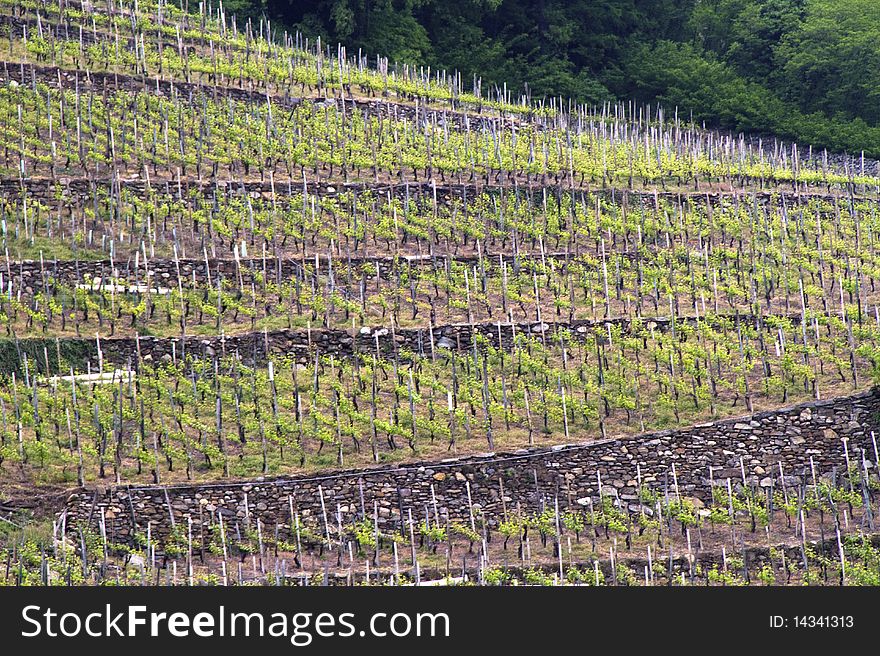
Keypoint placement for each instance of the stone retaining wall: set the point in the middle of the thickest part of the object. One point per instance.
(258, 347)
(823, 432)
(30, 275)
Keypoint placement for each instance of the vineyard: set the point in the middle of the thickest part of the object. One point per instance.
(231, 253)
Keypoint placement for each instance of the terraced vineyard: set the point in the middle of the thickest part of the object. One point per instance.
(235, 253)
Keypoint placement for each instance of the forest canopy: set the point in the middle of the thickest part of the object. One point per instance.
(807, 70)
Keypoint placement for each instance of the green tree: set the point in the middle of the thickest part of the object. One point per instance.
(831, 62)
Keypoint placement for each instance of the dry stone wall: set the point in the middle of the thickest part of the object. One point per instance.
(258, 347)
(162, 274)
(820, 435)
